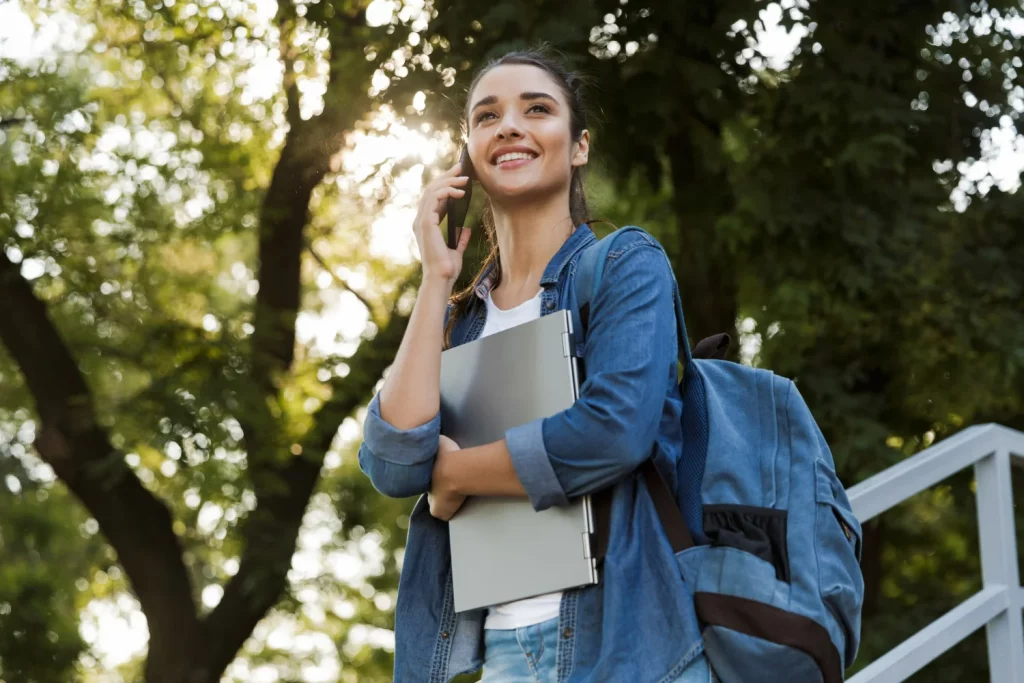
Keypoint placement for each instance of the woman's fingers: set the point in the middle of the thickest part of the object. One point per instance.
(435, 255)
(433, 195)
(442, 196)
(444, 506)
(463, 241)
(445, 181)
(434, 204)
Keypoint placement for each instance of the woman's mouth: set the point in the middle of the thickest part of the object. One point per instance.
(513, 160)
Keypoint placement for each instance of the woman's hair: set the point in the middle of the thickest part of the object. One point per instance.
(572, 86)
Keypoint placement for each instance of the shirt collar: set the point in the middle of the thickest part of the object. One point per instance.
(580, 237)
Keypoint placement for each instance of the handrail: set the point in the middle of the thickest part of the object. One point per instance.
(997, 607)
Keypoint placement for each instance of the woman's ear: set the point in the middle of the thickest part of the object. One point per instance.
(581, 149)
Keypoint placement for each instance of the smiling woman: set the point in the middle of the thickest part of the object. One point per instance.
(528, 144)
(526, 129)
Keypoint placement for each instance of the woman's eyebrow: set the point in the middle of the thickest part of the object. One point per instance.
(526, 96)
(537, 96)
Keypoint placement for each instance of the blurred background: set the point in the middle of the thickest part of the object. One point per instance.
(207, 264)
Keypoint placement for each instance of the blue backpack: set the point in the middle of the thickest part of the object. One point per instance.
(761, 526)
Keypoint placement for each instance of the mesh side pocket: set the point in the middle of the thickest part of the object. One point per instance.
(755, 530)
(690, 471)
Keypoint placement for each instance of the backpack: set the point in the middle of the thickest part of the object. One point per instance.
(761, 526)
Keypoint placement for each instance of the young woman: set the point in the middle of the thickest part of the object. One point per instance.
(528, 143)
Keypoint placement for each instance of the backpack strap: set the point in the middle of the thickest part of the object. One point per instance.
(678, 533)
(588, 278)
(584, 281)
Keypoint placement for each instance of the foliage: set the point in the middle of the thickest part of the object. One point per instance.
(39, 602)
(184, 217)
(143, 181)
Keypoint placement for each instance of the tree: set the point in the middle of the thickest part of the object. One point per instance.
(166, 224)
(128, 322)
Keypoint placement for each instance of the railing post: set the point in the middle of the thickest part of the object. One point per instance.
(999, 565)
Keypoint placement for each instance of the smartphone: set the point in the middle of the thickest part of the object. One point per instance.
(458, 207)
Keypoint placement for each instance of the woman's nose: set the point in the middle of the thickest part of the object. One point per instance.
(508, 129)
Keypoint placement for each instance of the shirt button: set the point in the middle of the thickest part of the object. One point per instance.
(444, 635)
(549, 305)
(567, 632)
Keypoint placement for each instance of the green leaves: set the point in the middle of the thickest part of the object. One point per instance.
(39, 602)
(824, 206)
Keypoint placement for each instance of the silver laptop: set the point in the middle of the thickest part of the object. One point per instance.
(502, 549)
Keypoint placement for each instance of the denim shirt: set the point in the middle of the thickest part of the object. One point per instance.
(638, 623)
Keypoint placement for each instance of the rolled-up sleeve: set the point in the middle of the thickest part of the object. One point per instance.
(530, 459)
(399, 462)
(630, 359)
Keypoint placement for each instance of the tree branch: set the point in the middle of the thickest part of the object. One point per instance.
(160, 383)
(286, 26)
(346, 97)
(341, 281)
(305, 160)
(283, 484)
(272, 530)
(134, 521)
(366, 367)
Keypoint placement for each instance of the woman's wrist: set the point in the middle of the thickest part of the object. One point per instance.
(435, 286)
(445, 471)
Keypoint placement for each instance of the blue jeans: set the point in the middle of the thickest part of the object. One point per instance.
(529, 655)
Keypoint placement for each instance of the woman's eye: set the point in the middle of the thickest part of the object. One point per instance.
(540, 107)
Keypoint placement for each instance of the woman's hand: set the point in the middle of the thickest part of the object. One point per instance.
(443, 499)
(438, 260)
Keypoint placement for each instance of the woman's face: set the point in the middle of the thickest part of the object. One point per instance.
(519, 135)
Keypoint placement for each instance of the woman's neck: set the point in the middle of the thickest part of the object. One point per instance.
(528, 237)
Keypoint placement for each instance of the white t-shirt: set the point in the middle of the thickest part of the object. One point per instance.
(543, 607)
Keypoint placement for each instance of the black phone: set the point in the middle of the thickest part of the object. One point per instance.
(458, 207)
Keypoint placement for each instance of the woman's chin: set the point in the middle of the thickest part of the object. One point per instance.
(517, 191)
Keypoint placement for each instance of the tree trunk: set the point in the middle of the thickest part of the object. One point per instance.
(871, 565)
(707, 283)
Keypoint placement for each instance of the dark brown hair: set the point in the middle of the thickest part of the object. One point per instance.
(572, 86)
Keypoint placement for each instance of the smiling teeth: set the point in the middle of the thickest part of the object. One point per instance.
(513, 155)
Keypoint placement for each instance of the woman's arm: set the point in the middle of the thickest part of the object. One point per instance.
(480, 471)
(403, 421)
(411, 394)
(630, 356)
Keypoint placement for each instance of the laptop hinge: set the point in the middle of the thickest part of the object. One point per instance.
(566, 345)
(586, 545)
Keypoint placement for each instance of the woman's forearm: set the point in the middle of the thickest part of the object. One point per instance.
(411, 395)
(480, 471)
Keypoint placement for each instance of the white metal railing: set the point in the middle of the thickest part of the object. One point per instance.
(997, 607)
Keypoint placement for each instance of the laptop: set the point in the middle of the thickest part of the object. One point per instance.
(502, 549)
